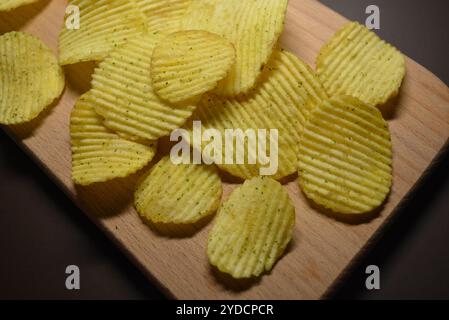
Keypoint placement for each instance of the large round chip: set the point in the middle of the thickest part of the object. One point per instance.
(252, 229)
(178, 193)
(187, 64)
(30, 77)
(358, 63)
(99, 154)
(345, 156)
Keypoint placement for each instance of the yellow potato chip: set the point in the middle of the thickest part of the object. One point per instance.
(99, 154)
(6, 5)
(178, 193)
(187, 64)
(345, 156)
(282, 101)
(123, 94)
(163, 16)
(30, 77)
(252, 229)
(103, 26)
(358, 63)
(252, 26)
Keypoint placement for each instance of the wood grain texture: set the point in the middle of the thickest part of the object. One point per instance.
(323, 245)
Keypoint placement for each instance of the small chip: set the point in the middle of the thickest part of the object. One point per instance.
(252, 229)
(356, 62)
(178, 193)
(187, 64)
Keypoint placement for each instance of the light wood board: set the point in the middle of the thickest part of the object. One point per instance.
(323, 246)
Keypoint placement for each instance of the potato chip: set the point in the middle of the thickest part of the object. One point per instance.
(358, 63)
(282, 101)
(163, 16)
(252, 26)
(187, 64)
(6, 5)
(123, 94)
(30, 77)
(99, 154)
(178, 193)
(252, 229)
(104, 25)
(345, 156)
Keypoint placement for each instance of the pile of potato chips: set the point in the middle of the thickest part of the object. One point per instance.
(163, 64)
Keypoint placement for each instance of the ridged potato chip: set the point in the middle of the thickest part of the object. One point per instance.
(6, 5)
(358, 63)
(104, 25)
(252, 229)
(30, 77)
(345, 156)
(178, 193)
(282, 101)
(187, 64)
(122, 93)
(252, 26)
(98, 154)
(163, 16)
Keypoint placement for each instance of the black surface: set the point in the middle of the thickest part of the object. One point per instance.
(42, 231)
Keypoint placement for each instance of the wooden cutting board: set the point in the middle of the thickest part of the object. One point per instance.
(323, 245)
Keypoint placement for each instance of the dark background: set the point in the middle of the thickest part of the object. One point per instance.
(42, 231)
